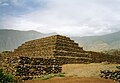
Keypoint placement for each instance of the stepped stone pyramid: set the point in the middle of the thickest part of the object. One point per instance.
(47, 55)
(48, 47)
(44, 56)
(53, 47)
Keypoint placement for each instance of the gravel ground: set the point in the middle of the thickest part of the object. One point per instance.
(87, 70)
(72, 80)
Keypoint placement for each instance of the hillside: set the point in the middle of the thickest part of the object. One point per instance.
(115, 52)
(11, 39)
(100, 43)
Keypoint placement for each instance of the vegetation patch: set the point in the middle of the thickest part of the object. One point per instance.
(60, 75)
(6, 78)
(46, 77)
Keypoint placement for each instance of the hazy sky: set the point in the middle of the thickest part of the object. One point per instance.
(67, 17)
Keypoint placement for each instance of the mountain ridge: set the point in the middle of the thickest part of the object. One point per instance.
(103, 42)
(11, 39)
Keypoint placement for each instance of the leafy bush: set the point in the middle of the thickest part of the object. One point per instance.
(6, 78)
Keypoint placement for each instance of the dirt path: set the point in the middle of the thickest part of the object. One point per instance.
(72, 80)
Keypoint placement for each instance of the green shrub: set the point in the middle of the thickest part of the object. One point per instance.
(46, 77)
(6, 78)
(60, 75)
